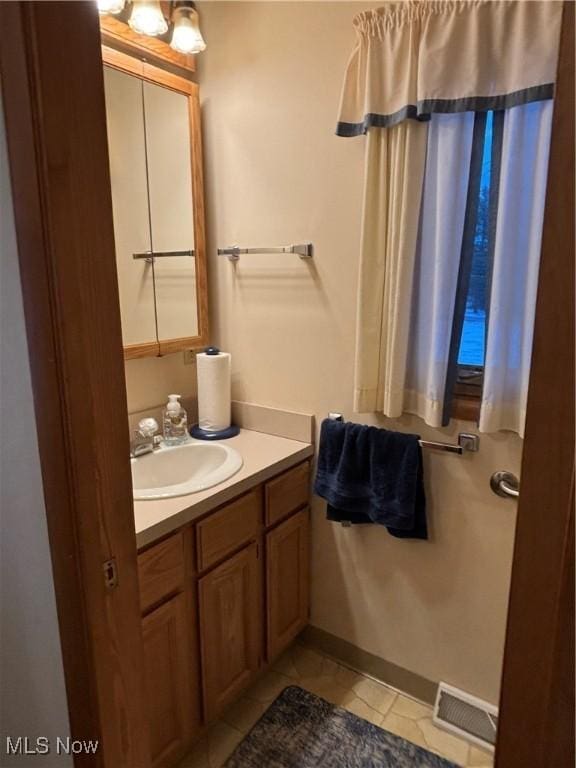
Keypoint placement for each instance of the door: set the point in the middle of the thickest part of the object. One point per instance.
(230, 628)
(53, 96)
(168, 681)
(536, 722)
(287, 566)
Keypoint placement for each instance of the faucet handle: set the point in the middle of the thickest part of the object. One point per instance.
(148, 427)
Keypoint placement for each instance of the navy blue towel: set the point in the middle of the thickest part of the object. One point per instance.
(372, 475)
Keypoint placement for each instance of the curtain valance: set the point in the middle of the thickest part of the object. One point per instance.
(416, 57)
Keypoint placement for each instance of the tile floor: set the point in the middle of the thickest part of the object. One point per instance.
(365, 697)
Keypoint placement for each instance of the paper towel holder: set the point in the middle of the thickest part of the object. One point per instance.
(196, 430)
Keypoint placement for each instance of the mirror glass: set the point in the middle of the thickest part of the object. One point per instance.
(171, 210)
(150, 149)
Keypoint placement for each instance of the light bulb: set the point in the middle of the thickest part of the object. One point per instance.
(147, 18)
(111, 6)
(186, 36)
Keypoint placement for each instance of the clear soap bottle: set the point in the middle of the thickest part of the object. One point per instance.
(175, 420)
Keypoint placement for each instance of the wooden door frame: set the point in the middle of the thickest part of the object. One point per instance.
(536, 723)
(53, 94)
(55, 119)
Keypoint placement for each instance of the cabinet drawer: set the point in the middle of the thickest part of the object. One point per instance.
(161, 570)
(287, 493)
(227, 530)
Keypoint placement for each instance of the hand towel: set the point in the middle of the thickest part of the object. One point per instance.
(372, 475)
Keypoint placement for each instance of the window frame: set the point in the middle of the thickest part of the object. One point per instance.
(466, 396)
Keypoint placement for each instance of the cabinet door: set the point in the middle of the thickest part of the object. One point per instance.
(169, 675)
(230, 628)
(287, 568)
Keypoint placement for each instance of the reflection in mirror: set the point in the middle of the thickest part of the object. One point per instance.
(126, 148)
(156, 183)
(171, 210)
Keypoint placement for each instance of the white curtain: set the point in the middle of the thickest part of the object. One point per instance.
(520, 216)
(439, 61)
(437, 262)
(395, 160)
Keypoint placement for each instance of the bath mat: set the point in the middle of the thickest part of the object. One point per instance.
(301, 730)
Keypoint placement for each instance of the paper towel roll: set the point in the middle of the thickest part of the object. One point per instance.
(214, 391)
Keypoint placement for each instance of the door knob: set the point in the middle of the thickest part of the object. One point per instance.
(505, 484)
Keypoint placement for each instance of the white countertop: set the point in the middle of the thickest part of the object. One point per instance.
(264, 456)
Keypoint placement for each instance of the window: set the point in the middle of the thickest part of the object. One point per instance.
(472, 341)
(472, 347)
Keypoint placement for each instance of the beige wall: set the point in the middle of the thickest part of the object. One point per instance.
(150, 380)
(32, 694)
(270, 83)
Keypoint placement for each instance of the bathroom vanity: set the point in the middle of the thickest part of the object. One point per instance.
(223, 572)
(224, 587)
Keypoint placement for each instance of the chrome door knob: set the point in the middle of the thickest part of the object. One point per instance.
(505, 484)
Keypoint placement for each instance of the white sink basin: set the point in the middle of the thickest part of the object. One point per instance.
(183, 469)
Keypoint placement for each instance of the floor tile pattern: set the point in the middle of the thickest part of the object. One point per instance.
(365, 697)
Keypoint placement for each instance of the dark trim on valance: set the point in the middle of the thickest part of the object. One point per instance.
(380, 121)
(488, 103)
(424, 109)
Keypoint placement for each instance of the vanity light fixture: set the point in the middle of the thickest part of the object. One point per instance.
(111, 6)
(186, 35)
(147, 18)
(181, 24)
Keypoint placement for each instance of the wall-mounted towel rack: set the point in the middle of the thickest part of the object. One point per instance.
(149, 256)
(304, 250)
(467, 442)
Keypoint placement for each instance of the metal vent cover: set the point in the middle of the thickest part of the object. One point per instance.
(465, 715)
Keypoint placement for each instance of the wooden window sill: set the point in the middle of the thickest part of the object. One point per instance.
(466, 408)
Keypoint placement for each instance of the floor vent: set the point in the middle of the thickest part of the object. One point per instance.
(466, 716)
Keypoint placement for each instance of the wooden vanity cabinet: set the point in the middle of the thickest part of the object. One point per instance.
(286, 493)
(223, 532)
(221, 599)
(287, 581)
(230, 628)
(169, 688)
(161, 571)
(170, 636)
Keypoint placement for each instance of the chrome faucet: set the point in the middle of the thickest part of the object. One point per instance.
(145, 438)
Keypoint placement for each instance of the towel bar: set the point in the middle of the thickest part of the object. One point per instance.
(304, 250)
(467, 442)
(149, 256)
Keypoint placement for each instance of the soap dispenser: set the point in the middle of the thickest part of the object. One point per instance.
(175, 421)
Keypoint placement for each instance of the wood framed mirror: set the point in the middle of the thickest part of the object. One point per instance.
(155, 148)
